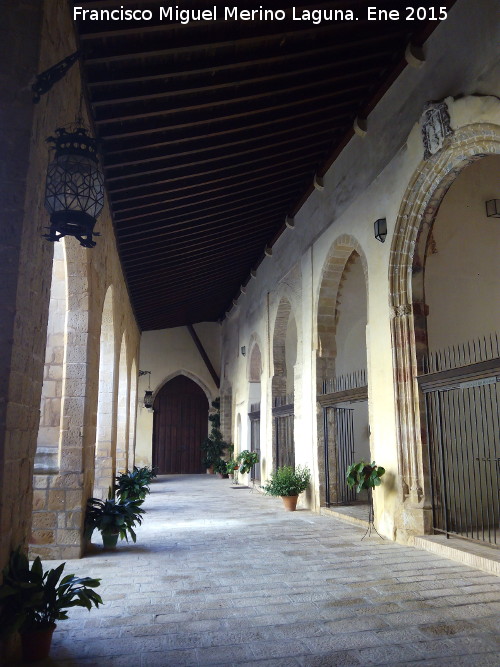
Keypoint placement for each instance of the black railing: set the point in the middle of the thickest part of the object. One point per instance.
(346, 382)
(463, 432)
(471, 352)
(285, 449)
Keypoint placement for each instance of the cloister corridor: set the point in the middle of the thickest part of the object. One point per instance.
(224, 576)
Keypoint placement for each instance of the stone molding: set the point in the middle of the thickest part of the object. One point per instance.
(427, 188)
(208, 393)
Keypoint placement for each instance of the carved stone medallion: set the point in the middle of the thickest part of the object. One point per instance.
(435, 122)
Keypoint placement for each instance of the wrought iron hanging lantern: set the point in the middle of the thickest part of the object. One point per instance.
(74, 190)
(148, 399)
(148, 396)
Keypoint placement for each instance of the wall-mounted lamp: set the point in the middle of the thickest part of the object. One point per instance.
(243, 350)
(493, 208)
(148, 399)
(148, 396)
(380, 229)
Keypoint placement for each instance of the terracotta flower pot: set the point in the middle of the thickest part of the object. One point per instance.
(36, 644)
(290, 503)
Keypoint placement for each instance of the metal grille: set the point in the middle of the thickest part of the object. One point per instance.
(255, 438)
(283, 401)
(463, 426)
(344, 453)
(457, 356)
(284, 448)
(285, 454)
(345, 382)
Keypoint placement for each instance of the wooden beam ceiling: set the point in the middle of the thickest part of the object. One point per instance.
(212, 132)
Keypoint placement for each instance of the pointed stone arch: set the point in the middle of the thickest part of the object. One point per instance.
(254, 364)
(423, 196)
(49, 431)
(122, 410)
(208, 393)
(105, 450)
(226, 412)
(61, 496)
(326, 305)
(132, 413)
(285, 346)
(344, 251)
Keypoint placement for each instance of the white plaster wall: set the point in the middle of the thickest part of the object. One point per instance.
(462, 270)
(351, 327)
(167, 353)
(368, 181)
(290, 353)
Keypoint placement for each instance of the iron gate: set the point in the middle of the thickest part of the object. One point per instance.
(463, 427)
(344, 452)
(284, 448)
(254, 416)
(338, 433)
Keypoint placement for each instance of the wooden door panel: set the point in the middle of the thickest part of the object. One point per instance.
(180, 425)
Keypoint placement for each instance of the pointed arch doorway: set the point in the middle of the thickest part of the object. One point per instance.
(180, 424)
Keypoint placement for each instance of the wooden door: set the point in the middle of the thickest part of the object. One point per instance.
(180, 425)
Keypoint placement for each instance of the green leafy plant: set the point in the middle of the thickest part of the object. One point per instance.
(231, 466)
(214, 447)
(288, 481)
(220, 466)
(134, 484)
(111, 516)
(246, 460)
(34, 599)
(364, 475)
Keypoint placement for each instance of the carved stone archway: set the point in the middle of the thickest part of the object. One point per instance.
(421, 201)
(341, 252)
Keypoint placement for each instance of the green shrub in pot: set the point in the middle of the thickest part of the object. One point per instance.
(114, 519)
(247, 460)
(288, 481)
(31, 601)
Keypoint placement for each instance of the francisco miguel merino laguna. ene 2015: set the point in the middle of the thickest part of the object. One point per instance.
(181, 15)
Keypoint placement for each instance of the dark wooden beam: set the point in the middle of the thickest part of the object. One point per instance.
(204, 355)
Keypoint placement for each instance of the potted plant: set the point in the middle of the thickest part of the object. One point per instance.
(31, 601)
(288, 482)
(231, 466)
(113, 519)
(134, 484)
(220, 468)
(246, 460)
(367, 476)
(214, 447)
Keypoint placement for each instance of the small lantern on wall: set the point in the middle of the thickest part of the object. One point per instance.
(148, 399)
(380, 229)
(148, 396)
(493, 208)
(74, 190)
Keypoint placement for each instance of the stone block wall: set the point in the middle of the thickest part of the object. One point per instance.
(23, 283)
(35, 36)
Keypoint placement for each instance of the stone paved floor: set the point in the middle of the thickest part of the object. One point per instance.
(223, 576)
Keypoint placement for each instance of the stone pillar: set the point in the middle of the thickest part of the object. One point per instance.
(24, 280)
(408, 325)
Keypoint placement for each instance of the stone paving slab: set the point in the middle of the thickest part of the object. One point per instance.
(226, 577)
